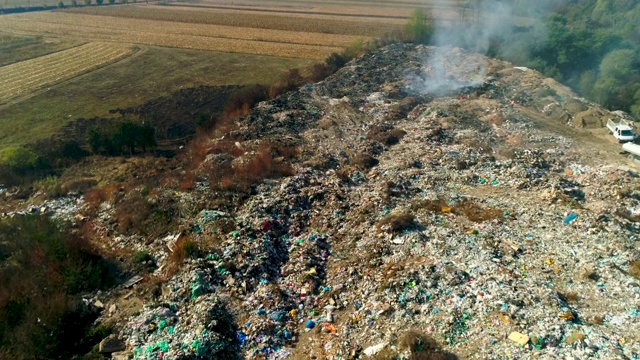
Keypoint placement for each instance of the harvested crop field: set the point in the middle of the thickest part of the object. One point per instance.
(151, 73)
(295, 44)
(18, 48)
(257, 18)
(30, 75)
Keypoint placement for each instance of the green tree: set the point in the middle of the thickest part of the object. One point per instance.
(356, 48)
(61, 5)
(87, 2)
(19, 158)
(618, 79)
(99, 141)
(111, 2)
(124, 136)
(99, 2)
(635, 107)
(420, 27)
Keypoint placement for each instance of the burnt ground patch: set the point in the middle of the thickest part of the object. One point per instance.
(175, 118)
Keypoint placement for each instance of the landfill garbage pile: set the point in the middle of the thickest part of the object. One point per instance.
(471, 217)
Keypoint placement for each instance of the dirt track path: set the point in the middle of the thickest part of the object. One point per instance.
(601, 146)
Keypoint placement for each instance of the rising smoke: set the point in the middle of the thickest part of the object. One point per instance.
(472, 25)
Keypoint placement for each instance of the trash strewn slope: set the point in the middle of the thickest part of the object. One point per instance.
(483, 216)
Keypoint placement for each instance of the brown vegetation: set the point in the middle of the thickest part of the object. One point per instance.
(43, 269)
(634, 269)
(420, 346)
(364, 161)
(254, 168)
(397, 222)
(570, 297)
(386, 135)
(416, 341)
(184, 248)
(468, 208)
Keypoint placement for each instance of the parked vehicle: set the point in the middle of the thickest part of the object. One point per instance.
(633, 150)
(621, 130)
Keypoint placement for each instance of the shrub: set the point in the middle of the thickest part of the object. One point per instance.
(319, 72)
(467, 207)
(398, 221)
(356, 48)
(19, 158)
(48, 185)
(475, 212)
(141, 257)
(420, 27)
(268, 161)
(634, 269)
(548, 92)
(43, 269)
(257, 167)
(290, 81)
(183, 249)
(387, 136)
(123, 136)
(416, 341)
(132, 213)
(203, 119)
(245, 99)
(364, 161)
(335, 61)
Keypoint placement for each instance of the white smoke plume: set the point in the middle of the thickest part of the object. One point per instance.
(472, 26)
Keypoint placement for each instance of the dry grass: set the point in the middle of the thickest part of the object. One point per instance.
(416, 341)
(386, 136)
(395, 222)
(183, 249)
(570, 297)
(364, 161)
(634, 269)
(468, 208)
(27, 76)
(281, 43)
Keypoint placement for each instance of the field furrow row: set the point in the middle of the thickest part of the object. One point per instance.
(277, 49)
(28, 76)
(86, 25)
(32, 69)
(343, 23)
(26, 79)
(52, 62)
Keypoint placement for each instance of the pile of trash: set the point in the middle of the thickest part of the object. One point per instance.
(467, 217)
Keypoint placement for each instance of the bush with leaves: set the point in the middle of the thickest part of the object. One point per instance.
(19, 159)
(122, 137)
(43, 270)
(420, 27)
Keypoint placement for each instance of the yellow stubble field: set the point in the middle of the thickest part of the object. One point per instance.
(30, 75)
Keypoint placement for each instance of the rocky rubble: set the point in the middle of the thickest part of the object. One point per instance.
(470, 215)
